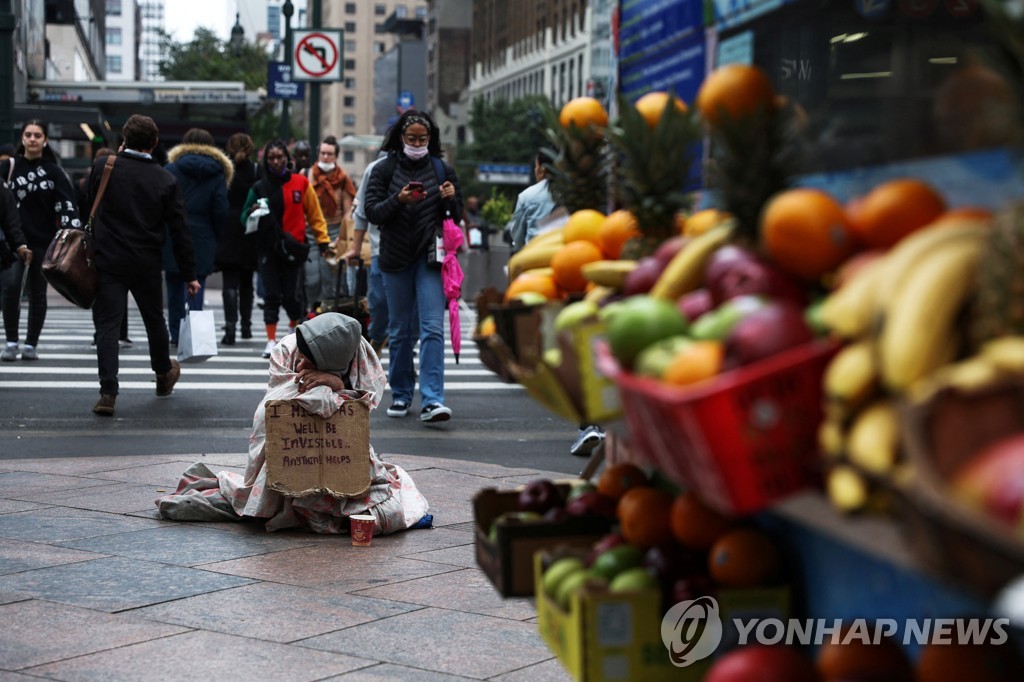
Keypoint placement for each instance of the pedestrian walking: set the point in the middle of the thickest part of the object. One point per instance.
(141, 206)
(375, 296)
(532, 205)
(203, 172)
(292, 203)
(335, 192)
(236, 251)
(46, 203)
(406, 196)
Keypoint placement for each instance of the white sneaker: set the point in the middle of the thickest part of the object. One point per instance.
(588, 438)
(9, 354)
(269, 348)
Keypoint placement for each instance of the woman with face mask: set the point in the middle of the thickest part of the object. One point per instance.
(46, 203)
(292, 204)
(406, 195)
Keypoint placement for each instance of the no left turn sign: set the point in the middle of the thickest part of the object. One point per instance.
(317, 55)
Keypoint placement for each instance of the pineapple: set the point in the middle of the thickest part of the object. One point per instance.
(999, 303)
(652, 164)
(578, 176)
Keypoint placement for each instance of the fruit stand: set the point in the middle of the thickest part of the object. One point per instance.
(810, 361)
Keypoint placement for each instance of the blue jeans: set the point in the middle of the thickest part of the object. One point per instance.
(417, 289)
(378, 302)
(176, 295)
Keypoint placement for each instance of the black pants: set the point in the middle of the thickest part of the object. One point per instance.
(240, 280)
(280, 288)
(108, 311)
(36, 287)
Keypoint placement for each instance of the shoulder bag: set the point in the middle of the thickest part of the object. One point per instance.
(70, 264)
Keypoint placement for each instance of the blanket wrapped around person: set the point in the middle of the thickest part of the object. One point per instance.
(325, 363)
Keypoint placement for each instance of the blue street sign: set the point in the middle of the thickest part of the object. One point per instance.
(280, 84)
(406, 100)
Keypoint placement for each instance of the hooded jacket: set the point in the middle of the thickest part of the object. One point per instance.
(203, 173)
(330, 340)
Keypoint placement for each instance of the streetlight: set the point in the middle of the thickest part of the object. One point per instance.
(237, 41)
(288, 9)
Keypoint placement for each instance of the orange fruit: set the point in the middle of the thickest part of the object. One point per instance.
(698, 361)
(805, 231)
(894, 209)
(652, 106)
(744, 557)
(568, 261)
(583, 112)
(644, 516)
(583, 225)
(863, 661)
(619, 478)
(533, 282)
(488, 327)
(702, 221)
(617, 229)
(733, 92)
(955, 662)
(695, 524)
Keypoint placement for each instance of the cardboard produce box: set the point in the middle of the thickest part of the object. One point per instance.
(616, 636)
(507, 557)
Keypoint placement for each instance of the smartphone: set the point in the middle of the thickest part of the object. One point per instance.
(416, 187)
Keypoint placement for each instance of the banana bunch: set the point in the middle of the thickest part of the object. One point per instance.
(685, 271)
(608, 273)
(899, 315)
(537, 253)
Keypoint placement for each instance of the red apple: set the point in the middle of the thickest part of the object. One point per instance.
(669, 248)
(757, 663)
(689, 587)
(668, 563)
(603, 545)
(771, 329)
(695, 304)
(591, 503)
(734, 271)
(539, 496)
(643, 276)
(993, 480)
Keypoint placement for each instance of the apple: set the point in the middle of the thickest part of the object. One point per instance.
(718, 323)
(668, 563)
(578, 489)
(591, 503)
(557, 572)
(574, 582)
(993, 480)
(777, 326)
(691, 586)
(632, 580)
(695, 304)
(733, 271)
(759, 663)
(813, 316)
(603, 545)
(668, 249)
(611, 562)
(574, 314)
(653, 360)
(642, 277)
(641, 321)
(538, 496)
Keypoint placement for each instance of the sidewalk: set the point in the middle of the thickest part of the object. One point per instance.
(94, 586)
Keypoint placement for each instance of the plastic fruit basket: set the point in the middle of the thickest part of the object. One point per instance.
(741, 440)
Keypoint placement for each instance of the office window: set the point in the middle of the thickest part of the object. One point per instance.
(350, 83)
(350, 65)
(378, 28)
(113, 63)
(350, 8)
(114, 7)
(401, 11)
(421, 12)
(348, 119)
(378, 47)
(348, 156)
(113, 36)
(350, 46)
(380, 10)
(350, 27)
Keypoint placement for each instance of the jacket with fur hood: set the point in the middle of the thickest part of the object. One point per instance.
(203, 173)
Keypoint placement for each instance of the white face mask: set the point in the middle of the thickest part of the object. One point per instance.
(326, 167)
(416, 152)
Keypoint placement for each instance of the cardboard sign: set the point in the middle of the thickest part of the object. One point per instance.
(307, 454)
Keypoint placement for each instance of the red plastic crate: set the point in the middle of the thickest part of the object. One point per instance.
(742, 440)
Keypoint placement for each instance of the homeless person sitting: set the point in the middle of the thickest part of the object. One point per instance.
(325, 363)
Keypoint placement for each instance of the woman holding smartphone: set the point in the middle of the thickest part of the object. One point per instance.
(406, 195)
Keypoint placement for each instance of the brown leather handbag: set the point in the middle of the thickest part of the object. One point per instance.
(70, 263)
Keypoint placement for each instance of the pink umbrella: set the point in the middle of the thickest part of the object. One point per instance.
(451, 277)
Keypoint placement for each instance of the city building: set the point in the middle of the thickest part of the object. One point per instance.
(151, 13)
(448, 37)
(124, 27)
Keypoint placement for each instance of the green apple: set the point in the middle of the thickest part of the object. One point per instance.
(653, 360)
(641, 321)
(611, 562)
(715, 325)
(531, 298)
(575, 581)
(813, 316)
(633, 579)
(553, 357)
(557, 572)
(574, 314)
(609, 310)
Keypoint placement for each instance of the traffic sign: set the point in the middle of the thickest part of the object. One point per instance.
(317, 55)
(281, 85)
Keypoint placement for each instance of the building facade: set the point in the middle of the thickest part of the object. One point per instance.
(124, 25)
(151, 13)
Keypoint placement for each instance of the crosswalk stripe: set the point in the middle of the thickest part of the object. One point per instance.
(185, 384)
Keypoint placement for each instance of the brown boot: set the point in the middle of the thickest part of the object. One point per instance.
(105, 405)
(165, 382)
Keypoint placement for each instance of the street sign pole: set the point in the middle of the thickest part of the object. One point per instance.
(7, 25)
(284, 131)
(314, 94)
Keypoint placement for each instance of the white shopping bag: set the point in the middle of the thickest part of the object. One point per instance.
(197, 336)
(252, 223)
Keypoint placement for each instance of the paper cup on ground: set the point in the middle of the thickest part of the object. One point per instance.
(362, 529)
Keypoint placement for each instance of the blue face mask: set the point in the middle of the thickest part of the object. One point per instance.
(416, 152)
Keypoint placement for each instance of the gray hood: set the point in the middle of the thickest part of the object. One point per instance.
(332, 339)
